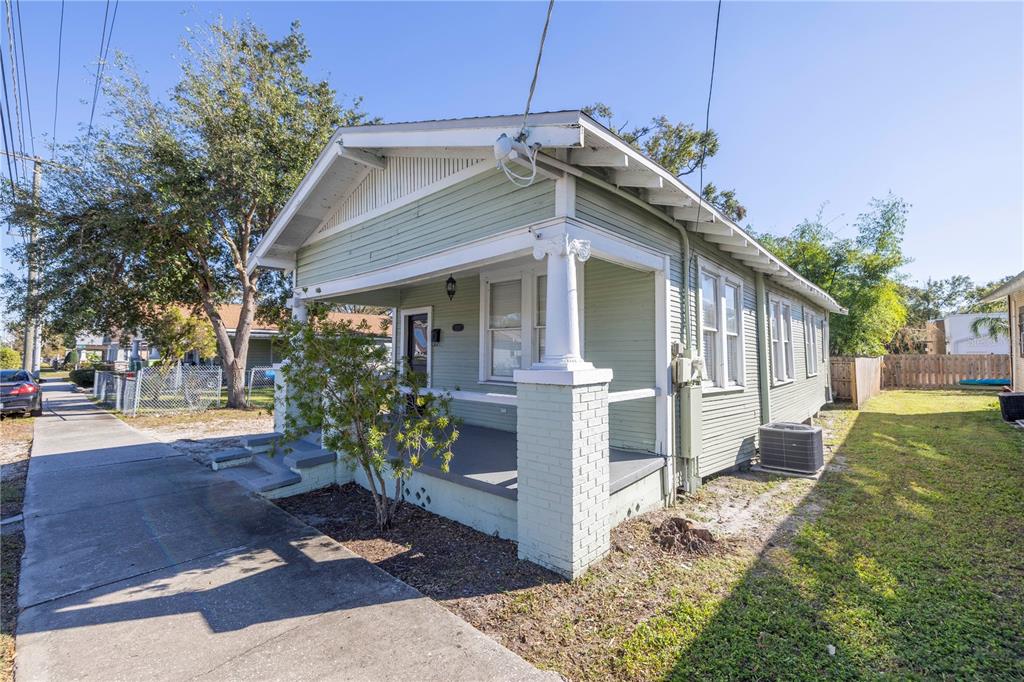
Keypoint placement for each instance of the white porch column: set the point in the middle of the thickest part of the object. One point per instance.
(562, 433)
(562, 333)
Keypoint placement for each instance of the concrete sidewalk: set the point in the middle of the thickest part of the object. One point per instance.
(141, 564)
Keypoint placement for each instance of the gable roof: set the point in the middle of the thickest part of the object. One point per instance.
(589, 149)
(1013, 286)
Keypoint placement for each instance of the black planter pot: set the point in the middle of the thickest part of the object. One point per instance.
(1012, 405)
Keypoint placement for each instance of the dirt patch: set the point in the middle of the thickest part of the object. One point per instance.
(199, 434)
(15, 447)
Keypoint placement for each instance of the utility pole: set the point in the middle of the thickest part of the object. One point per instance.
(31, 348)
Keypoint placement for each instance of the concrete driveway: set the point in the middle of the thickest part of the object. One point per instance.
(142, 564)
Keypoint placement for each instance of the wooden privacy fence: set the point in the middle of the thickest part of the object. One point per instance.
(937, 371)
(856, 379)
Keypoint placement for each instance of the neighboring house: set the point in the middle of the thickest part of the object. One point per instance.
(958, 339)
(261, 348)
(577, 301)
(1013, 293)
(261, 335)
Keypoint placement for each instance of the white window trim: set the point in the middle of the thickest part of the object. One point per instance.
(528, 276)
(785, 378)
(399, 348)
(811, 336)
(724, 276)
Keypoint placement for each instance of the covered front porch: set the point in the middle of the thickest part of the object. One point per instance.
(552, 341)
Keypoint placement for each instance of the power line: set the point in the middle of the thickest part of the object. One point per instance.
(9, 125)
(3, 122)
(105, 37)
(536, 66)
(56, 94)
(12, 49)
(707, 113)
(24, 80)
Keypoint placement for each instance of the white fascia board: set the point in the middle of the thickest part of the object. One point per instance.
(672, 182)
(323, 162)
(563, 135)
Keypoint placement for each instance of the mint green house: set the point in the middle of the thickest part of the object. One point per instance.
(608, 339)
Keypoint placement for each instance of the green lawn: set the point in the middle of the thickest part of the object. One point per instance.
(913, 569)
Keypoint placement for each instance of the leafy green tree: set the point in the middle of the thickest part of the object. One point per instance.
(9, 358)
(681, 148)
(937, 298)
(164, 207)
(381, 420)
(176, 333)
(860, 273)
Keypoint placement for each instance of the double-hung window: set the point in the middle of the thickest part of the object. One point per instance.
(811, 336)
(513, 320)
(709, 325)
(505, 328)
(721, 326)
(782, 340)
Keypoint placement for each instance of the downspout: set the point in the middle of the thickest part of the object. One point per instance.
(763, 335)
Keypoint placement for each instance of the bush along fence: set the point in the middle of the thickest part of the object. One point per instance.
(160, 389)
(857, 379)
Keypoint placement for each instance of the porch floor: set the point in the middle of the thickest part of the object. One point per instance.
(485, 459)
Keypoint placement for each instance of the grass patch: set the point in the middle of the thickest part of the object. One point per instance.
(12, 544)
(912, 569)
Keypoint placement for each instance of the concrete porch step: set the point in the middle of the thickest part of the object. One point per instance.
(225, 459)
(260, 478)
(261, 441)
(304, 455)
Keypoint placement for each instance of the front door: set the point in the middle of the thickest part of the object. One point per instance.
(417, 336)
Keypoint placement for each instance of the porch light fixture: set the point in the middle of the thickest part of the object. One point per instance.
(449, 287)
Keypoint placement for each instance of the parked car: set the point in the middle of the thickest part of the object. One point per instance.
(20, 393)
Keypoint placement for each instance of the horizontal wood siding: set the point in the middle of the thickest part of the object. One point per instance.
(482, 206)
(456, 359)
(801, 398)
(622, 217)
(619, 325)
(730, 417)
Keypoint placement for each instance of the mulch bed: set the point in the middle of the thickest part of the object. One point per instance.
(441, 558)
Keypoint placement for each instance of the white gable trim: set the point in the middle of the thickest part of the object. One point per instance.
(326, 230)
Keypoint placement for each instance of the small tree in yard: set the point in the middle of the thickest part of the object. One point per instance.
(379, 418)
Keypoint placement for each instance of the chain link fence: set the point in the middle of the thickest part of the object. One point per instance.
(170, 388)
(259, 386)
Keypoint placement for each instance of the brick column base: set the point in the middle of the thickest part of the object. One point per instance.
(562, 438)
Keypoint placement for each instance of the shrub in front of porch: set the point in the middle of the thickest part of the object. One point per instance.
(381, 419)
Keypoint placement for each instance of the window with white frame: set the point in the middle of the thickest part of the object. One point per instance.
(782, 339)
(811, 336)
(513, 320)
(721, 326)
(504, 328)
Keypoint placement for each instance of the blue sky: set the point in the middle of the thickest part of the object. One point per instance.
(814, 102)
